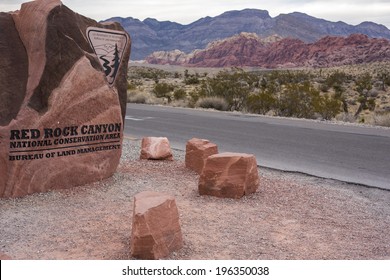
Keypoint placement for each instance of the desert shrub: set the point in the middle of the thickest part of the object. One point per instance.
(261, 102)
(192, 80)
(346, 117)
(139, 97)
(304, 101)
(195, 95)
(141, 72)
(329, 107)
(214, 102)
(373, 93)
(324, 87)
(299, 100)
(179, 93)
(371, 104)
(186, 74)
(336, 78)
(162, 90)
(363, 85)
(383, 78)
(284, 77)
(131, 85)
(234, 87)
(180, 103)
(382, 119)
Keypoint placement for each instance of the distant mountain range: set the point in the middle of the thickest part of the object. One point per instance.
(151, 35)
(248, 49)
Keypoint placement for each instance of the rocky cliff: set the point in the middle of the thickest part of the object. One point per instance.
(248, 49)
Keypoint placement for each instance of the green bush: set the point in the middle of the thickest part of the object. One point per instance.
(195, 95)
(131, 85)
(371, 104)
(262, 102)
(363, 85)
(329, 107)
(192, 80)
(162, 90)
(305, 101)
(299, 100)
(234, 87)
(337, 78)
(179, 93)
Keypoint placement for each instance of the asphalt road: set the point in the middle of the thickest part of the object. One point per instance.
(348, 153)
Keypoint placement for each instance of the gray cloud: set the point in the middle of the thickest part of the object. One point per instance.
(349, 11)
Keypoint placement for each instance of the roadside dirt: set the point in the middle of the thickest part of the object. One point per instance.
(291, 216)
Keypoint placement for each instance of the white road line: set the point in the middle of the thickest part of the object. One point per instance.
(137, 119)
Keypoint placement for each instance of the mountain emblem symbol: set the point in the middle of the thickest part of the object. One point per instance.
(108, 46)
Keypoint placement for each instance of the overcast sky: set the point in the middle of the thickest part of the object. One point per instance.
(349, 11)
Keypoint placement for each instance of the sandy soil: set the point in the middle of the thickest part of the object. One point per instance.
(292, 216)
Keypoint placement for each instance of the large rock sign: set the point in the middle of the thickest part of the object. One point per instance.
(62, 98)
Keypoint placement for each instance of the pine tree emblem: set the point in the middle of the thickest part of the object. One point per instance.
(108, 46)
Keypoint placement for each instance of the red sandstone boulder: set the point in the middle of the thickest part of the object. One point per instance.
(197, 151)
(60, 120)
(156, 230)
(4, 257)
(156, 148)
(230, 175)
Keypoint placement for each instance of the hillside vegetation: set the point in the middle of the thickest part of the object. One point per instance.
(359, 93)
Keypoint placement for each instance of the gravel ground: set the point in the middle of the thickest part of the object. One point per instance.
(292, 216)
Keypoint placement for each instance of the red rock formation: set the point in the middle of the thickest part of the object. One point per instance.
(197, 151)
(156, 230)
(156, 148)
(229, 175)
(4, 257)
(249, 50)
(61, 106)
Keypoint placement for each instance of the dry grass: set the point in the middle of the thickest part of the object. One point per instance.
(214, 102)
(382, 119)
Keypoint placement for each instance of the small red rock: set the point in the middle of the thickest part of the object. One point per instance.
(4, 257)
(156, 148)
(197, 151)
(156, 230)
(229, 175)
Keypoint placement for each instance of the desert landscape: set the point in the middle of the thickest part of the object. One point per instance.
(70, 168)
